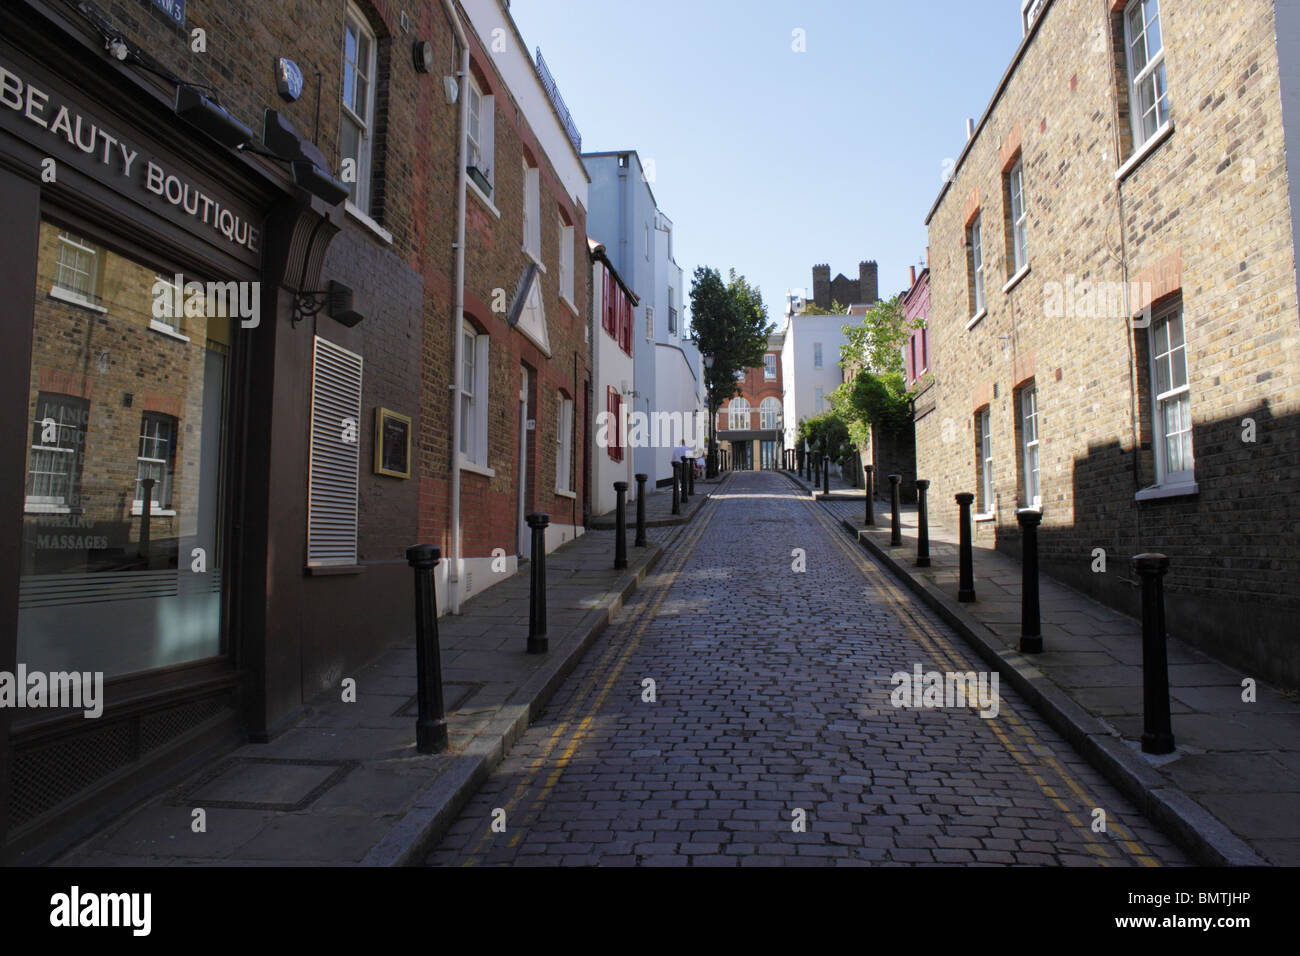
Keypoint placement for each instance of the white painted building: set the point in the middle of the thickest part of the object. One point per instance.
(810, 365)
(613, 347)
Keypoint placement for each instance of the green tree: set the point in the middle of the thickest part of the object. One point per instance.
(877, 344)
(730, 323)
(812, 308)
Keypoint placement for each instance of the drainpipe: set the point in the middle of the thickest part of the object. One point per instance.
(458, 313)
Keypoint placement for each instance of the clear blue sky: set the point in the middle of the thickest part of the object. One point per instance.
(768, 160)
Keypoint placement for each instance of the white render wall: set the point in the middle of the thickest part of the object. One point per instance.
(799, 376)
(611, 366)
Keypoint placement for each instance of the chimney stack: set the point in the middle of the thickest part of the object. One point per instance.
(970, 127)
(911, 276)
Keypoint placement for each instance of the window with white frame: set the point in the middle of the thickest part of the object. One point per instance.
(356, 134)
(1148, 91)
(649, 323)
(738, 415)
(817, 355)
(769, 413)
(975, 267)
(58, 448)
(769, 367)
(156, 459)
(566, 261)
(482, 139)
(533, 212)
(1171, 399)
(983, 433)
(564, 444)
(473, 396)
(76, 270)
(1017, 219)
(1029, 445)
(821, 401)
(167, 290)
(672, 310)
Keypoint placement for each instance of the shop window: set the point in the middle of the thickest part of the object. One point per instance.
(357, 123)
(334, 467)
(57, 452)
(102, 586)
(156, 460)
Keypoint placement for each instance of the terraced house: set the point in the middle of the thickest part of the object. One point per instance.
(1113, 330)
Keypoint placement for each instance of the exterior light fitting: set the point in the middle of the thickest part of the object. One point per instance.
(202, 113)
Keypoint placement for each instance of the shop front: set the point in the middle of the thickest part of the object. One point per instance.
(141, 264)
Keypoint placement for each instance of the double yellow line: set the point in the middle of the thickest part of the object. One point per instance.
(681, 548)
(946, 655)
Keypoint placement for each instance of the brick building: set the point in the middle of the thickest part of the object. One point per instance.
(1113, 325)
(749, 425)
(212, 499)
(864, 290)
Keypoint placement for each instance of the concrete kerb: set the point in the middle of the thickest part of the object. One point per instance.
(440, 804)
(1195, 829)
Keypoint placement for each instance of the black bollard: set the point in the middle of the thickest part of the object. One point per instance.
(965, 560)
(871, 511)
(895, 516)
(431, 722)
(641, 541)
(690, 474)
(922, 525)
(826, 476)
(1031, 629)
(620, 525)
(537, 640)
(677, 498)
(1157, 734)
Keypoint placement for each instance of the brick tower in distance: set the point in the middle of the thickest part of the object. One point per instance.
(862, 291)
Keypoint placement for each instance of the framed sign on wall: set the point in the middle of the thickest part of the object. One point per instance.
(392, 444)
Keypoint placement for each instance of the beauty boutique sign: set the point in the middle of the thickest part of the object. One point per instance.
(53, 122)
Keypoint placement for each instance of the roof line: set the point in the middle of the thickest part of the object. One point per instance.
(988, 111)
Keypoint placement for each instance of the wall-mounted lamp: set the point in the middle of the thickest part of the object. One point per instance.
(451, 89)
(308, 163)
(422, 55)
(202, 113)
(337, 300)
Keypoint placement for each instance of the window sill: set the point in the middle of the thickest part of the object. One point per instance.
(1158, 137)
(63, 295)
(572, 308)
(976, 318)
(473, 188)
(136, 510)
(566, 494)
(379, 231)
(1015, 279)
(986, 516)
(167, 330)
(42, 508)
(327, 570)
(1179, 490)
(532, 257)
(467, 465)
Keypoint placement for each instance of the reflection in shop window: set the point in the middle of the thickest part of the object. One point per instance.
(76, 270)
(105, 586)
(156, 460)
(54, 467)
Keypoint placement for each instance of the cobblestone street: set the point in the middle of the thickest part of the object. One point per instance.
(738, 712)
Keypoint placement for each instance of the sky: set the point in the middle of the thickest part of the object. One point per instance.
(769, 160)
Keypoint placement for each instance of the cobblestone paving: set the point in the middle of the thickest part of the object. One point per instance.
(772, 707)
